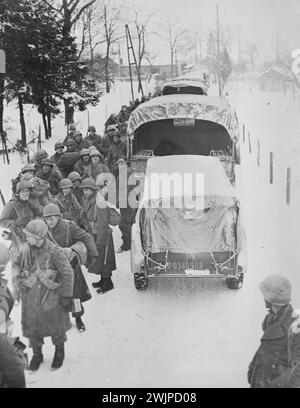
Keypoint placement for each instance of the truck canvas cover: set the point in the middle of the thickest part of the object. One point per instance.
(209, 227)
(200, 107)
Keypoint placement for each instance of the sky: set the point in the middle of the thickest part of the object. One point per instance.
(263, 22)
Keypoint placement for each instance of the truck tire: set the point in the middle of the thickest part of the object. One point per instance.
(140, 281)
(235, 282)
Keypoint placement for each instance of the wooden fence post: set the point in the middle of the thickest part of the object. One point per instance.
(271, 167)
(249, 139)
(288, 185)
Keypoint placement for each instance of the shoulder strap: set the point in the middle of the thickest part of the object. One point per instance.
(16, 210)
(68, 234)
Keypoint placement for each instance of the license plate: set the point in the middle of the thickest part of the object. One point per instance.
(197, 272)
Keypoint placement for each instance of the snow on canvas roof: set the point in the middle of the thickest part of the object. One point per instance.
(201, 107)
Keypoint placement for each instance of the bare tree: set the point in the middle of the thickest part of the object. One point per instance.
(91, 32)
(111, 19)
(173, 35)
(252, 52)
(141, 35)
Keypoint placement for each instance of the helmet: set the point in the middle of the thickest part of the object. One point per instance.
(111, 127)
(78, 133)
(47, 161)
(276, 289)
(81, 251)
(4, 255)
(51, 209)
(28, 167)
(23, 184)
(65, 183)
(74, 176)
(95, 152)
(70, 142)
(40, 185)
(36, 228)
(89, 182)
(41, 154)
(84, 152)
(92, 128)
(58, 145)
(27, 176)
(72, 126)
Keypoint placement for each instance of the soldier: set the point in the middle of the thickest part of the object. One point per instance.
(127, 212)
(59, 153)
(80, 143)
(76, 181)
(15, 216)
(123, 116)
(276, 364)
(96, 222)
(38, 157)
(48, 173)
(71, 132)
(39, 196)
(67, 234)
(123, 130)
(92, 139)
(112, 120)
(12, 361)
(70, 145)
(117, 150)
(96, 167)
(108, 139)
(28, 169)
(84, 161)
(67, 202)
(46, 281)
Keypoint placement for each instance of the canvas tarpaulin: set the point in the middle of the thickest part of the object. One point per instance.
(185, 106)
(185, 228)
(190, 231)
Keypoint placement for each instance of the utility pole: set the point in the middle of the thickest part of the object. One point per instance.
(218, 51)
(130, 47)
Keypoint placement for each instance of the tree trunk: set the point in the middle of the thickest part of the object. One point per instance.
(107, 70)
(48, 113)
(22, 121)
(172, 63)
(44, 116)
(69, 113)
(49, 124)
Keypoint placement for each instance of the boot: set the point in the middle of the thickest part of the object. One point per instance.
(106, 286)
(80, 325)
(98, 284)
(59, 357)
(36, 360)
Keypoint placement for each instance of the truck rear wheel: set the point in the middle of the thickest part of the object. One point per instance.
(140, 281)
(235, 282)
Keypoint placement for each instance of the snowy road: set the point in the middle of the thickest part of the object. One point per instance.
(192, 333)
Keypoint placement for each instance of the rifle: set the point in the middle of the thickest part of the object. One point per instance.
(2, 198)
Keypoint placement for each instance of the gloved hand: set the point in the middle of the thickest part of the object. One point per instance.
(67, 302)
